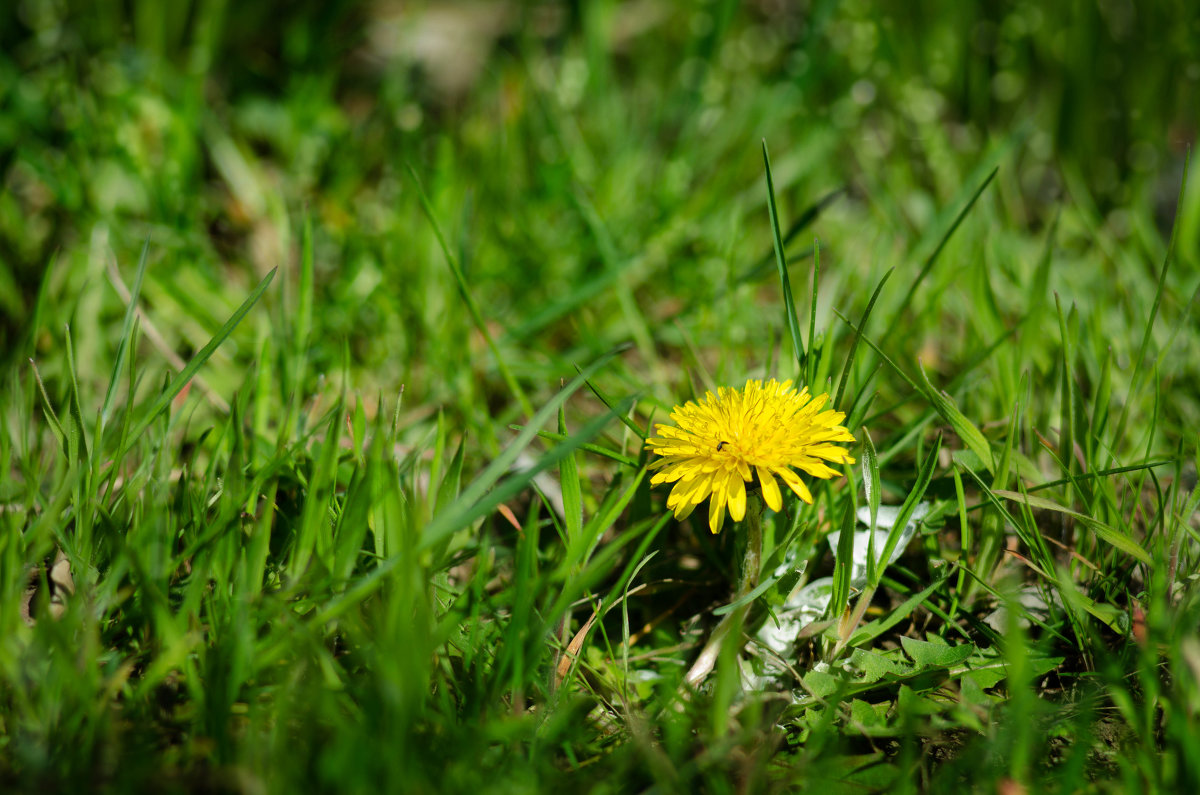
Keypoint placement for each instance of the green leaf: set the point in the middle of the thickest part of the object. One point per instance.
(76, 432)
(614, 503)
(988, 676)
(610, 404)
(864, 713)
(910, 701)
(821, 684)
(314, 532)
(874, 665)
(588, 448)
(476, 500)
(358, 428)
(787, 583)
(936, 655)
(451, 485)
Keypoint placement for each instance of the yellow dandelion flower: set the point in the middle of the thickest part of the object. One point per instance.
(722, 442)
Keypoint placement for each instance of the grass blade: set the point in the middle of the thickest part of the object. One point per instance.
(126, 333)
(810, 361)
(185, 376)
(971, 436)
(858, 330)
(871, 486)
(924, 477)
(464, 290)
(1105, 533)
(789, 302)
(932, 259)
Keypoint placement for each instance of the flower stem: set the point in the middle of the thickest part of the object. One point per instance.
(752, 559)
(747, 581)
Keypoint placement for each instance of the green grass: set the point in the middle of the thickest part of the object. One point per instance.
(356, 499)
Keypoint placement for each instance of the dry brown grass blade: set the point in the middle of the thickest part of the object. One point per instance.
(567, 659)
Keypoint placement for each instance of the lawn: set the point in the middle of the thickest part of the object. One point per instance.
(346, 347)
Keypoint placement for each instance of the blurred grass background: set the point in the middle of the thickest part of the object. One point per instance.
(215, 130)
(594, 169)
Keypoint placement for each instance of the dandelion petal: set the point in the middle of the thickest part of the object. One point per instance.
(770, 489)
(737, 497)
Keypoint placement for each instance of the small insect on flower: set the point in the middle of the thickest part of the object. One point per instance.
(720, 443)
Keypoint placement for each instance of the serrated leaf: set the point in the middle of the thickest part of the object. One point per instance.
(935, 655)
(864, 713)
(874, 666)
(988, 677)
(910, 702)
(821, 684)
